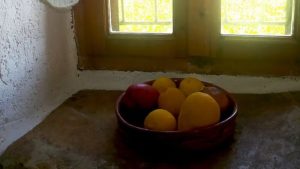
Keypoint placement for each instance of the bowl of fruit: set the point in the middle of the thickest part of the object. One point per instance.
(176, 113)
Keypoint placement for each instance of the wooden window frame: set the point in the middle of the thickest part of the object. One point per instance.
(100, 49)
(262, 48)
(196, 44)
(263, 56)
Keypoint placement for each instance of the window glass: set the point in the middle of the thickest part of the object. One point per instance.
(141, 16)
(257, 17)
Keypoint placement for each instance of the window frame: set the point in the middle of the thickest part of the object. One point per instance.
(96, 45)
(198, 46)
(263, 48)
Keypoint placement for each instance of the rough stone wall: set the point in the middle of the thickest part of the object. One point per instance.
(37, 64)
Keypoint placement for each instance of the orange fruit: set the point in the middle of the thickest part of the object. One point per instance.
(190, 85)
(198, 110)
(160, 120)
(171, 100)
(161, 84)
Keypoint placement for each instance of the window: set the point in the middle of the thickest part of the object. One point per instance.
(257, 17)
(141, 16)
(211, 36)
(131, 34)
(260, 31)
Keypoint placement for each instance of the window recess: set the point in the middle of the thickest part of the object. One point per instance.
(258, 30)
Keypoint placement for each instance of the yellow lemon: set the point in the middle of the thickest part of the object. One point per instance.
(190, 85)
(171, 100)
(161, 84)
(198, 110)
(160, 120)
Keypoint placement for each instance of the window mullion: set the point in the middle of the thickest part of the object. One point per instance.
(289, 13)
(122, 8)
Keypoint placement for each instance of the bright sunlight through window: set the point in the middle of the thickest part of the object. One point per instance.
(257, 17)
(141, 16)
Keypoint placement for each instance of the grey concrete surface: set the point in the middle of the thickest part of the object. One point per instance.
(81, 134)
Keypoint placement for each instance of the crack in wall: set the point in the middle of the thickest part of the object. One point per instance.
(1, 74)
(3, 22)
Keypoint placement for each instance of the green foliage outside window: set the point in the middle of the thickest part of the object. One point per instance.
(238, 17)
(146, 16)
(256, 17)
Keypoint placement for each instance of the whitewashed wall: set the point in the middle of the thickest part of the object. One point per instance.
(37, 64)
(120, 80)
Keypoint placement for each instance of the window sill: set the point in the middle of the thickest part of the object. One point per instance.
(252, 67)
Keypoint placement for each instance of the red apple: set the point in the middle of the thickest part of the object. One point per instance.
(141, 96)
(139, 100)
(219, 95)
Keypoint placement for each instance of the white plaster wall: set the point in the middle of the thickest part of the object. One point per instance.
(37, 64)
(120, 80)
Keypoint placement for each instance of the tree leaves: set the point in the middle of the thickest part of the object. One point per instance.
(256, 17)
(146, 16)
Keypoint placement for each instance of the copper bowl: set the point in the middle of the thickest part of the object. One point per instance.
(203, 138)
